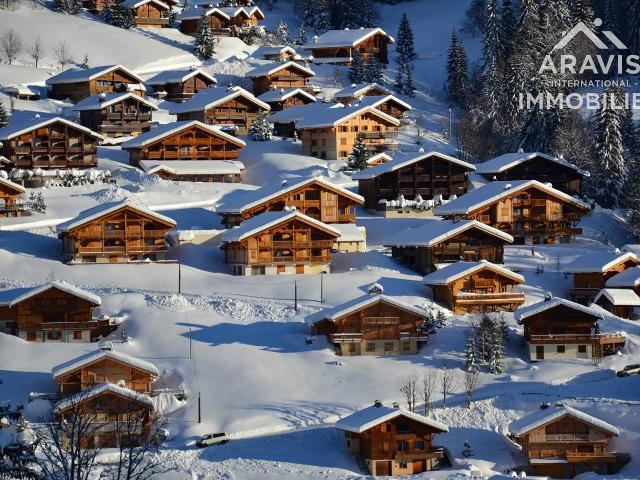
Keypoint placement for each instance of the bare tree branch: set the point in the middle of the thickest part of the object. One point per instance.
(429, 383)
(448, 382)
(471, 380)
(409, 387)
(36, 50)
(11, 45)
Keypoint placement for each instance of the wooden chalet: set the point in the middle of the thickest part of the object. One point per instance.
(112, 415)
(562, 442)
(444, 241)
(339, 46)
(282, 53)
(280, 99)
(621, 302)
(11, 199)
(389, 104)
(279, 75)
(563, 175)
(148, 13)
(530, 211)
(331, 132)
(98, 5)
(21, 92)
(278, 243)
(78, 83)
(314, 197)
(116, 114)
(234, 107)
(558, 329)
(180, 85)
(357, 91)
(372, 325)
(53, 312)
(115, 233)
(223, 21)
(185, 149)
(476, 287)
(378, 159)
(591, 272)
(49, 143)
(105, 366)
(393, 441)
(416, 179)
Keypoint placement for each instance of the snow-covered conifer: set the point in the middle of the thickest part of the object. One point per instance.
(4, 116)
(358, 158)
(204, 45)
(261, 129)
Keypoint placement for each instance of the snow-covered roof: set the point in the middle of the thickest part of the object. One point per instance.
(599, 262)
(339, 311)
(627, 278)
(103, 100)
(9, 298)
(271, 68)
(17, 89)
(210, 97)
(299, 112)
(631, 247)
(345, 38)
(376, 100)
(349, 232)
(454, 271)
(265, 52)
(266, 220)
(97, 355)
(252, 198)
(74, 75)
(99, 390)
(543, 416)
(193, 167)
(173, 128)
(138, 3)
(380, 156)
(248, 12)
(538, 307)
(194, 12)
(401, 161)
(360, 89)
(10, 184)
(619, 297)
(369, 417)
(331, 117)
(105, 209)
(178, 76)
(16, 128)
(281, 94)
(510, 160)
(436, 231)
(494, 191)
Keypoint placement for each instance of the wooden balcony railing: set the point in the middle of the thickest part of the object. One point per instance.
(489, 298)
(571, 437)
(345, 337)
(601, 338)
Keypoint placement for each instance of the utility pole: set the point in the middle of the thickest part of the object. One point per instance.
(199, 409)
(179, 277)
(295, 295)
(450, 126)
(190, 346)
(322, 287)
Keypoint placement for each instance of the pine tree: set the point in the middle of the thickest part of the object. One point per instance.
(583, 12)
(441, 319)
(261, 129)
(357, 73)
(85, 62)
(358, 158)
(474, 17)
(120, 17)
(4, 116)
(508, 30)
(373, 70)
(70, 7)
(282, 33)
(493, 51)
(611, 173)
(496, 349)
(466, 451)
(367, 13)
(405, 56)
(301, 38)
(204, 45)
(471, 350)
(457, 72)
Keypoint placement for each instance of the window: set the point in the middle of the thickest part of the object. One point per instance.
(406, 346)
(560, 348)
(343, 153)
(388, 346)
(419, 445)
(582, 349)
(77, 335)
(352, 347)
(53, 335)
(403, 463)
(403, 446)
(371, 347)
(354, 128)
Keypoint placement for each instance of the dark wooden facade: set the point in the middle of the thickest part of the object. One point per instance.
(190, 143)
(376, 45)
(179, 91)
(471, 245)
(151, 14)
(570, 447)
(315, 199)
(129, 117)
(98, 5)
(622, 311)
(119, 236)
(240, 112)
(374, 90)
(115, 80)
(58, 144)
(11, 194)
(531, 213)
(295, 100)
(53, 315)
(290, 246)
(289, 75)
(563, 331)
(484, 290)
(427, 177)
(105, 370)
(221, 25)
(586, 285)
(381, 328)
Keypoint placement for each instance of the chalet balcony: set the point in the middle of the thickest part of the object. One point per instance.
(268, 259)
(579, 457)
(294, 244)
(72, 325)
(500, 298)
(573, 437)
(345, 337)
(413, 455)
(600, 338)
(123, 249)
(151, 21)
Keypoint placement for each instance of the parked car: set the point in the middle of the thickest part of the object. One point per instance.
(633, 369)
(212, 439)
